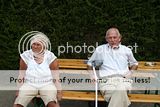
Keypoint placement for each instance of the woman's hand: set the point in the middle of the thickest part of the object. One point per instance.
(17, 93)
(59, 95)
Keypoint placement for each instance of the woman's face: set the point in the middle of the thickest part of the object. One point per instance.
(37, 47)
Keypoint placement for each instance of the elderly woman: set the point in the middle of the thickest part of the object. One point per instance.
(38, 67)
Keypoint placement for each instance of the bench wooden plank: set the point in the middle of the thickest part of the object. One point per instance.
(81, 64)
(90, 96)
(147, 98)
(72, 67)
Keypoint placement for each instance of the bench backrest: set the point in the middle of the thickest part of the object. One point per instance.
(72, 63)
(81, 64)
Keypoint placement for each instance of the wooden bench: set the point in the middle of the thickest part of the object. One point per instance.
(80, 64)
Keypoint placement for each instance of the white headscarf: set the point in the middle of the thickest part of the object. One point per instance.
(41, 38)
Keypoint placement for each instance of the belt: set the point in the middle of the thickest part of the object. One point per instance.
(114, 75)
(105, 78)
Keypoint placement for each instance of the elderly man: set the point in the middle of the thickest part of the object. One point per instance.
(117, 62)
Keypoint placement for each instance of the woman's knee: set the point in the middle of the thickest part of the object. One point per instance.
(53, 104)
(17, 105)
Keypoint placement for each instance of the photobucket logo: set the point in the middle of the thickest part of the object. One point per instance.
(86, 49)
(29, 38)
(76, 49)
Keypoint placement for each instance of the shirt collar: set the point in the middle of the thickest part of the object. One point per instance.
(116, 47)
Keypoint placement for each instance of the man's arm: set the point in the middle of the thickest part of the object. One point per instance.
(134, 67)
(93, 76)
(89, 67)
(133, 64)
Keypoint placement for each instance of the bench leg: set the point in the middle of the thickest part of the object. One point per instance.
(100, 104)
(156, 105)
(38, 102)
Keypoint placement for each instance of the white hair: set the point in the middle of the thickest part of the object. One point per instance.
(108, 31)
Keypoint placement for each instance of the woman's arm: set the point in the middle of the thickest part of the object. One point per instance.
(55, 71)
(22, 65)
(21, 75)
(22, 69)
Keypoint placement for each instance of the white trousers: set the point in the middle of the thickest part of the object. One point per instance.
(114, 91)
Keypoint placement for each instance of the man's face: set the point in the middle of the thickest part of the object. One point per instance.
(37, 47)
(113, 38)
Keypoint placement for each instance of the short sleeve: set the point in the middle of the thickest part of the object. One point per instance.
(92, 59)
(50, 57)
(25, 56)
(96, 58)
(131, 59)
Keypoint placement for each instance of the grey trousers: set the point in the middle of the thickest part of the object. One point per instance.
(114, 91)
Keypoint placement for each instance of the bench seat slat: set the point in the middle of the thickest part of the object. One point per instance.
(90, 96)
